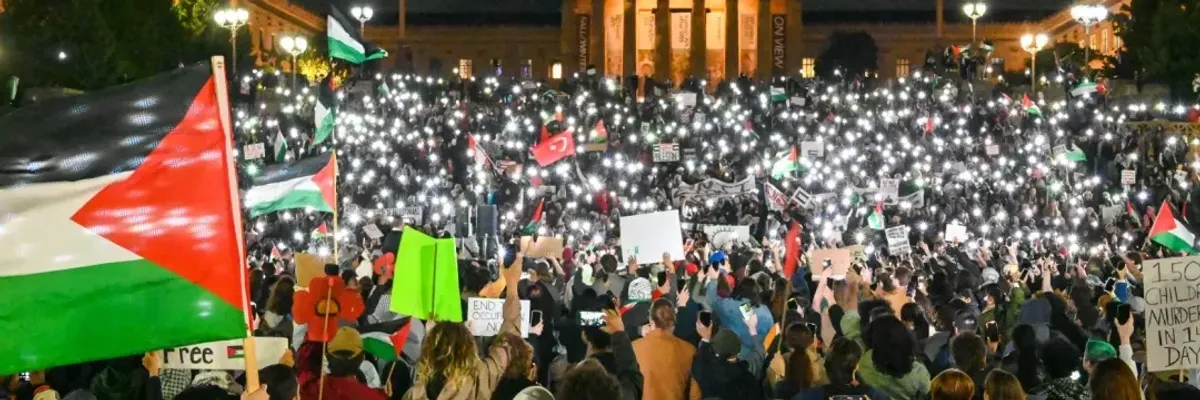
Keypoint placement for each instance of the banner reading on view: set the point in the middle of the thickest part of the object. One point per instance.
(224, 354)
(648, 236)
(486, 316)
(1172, 323)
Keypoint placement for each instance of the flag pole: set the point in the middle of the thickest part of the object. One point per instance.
(334, 206)
(220, 86)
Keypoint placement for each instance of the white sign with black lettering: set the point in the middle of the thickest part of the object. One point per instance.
(812, 149)
(372, 231)
(1128, 177)
(225, 354)
(993, 149)
(687, 99)
(484, 316)
(956, 233)
(645, 127)
(897, 238)
(803, 198)
(889, 187)
(1172, 316)
(666, 152)
(254, 151)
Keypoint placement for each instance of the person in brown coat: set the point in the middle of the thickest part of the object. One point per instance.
(450, 367)
(665, 360)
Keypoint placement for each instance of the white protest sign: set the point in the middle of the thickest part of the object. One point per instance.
(645, 127)
(485, 316)
(254, 151)
(666, 152)
(803, 198)
(797, 101)
(648, 236)
(993, 149)
(889, 187)
(720, 235)
(700, 118)
(714, 189)
(1181, 176)
(225, 354)
(812, 149)
(1172, 320)
(687, 99)
(1059, 150)
(1110, 213)
(897, 238)
(372, 231)
(956, 233)
(1128, 177)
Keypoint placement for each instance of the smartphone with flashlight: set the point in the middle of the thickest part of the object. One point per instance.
(747, 311)
(591, 318)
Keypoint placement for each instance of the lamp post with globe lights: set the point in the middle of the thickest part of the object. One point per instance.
(362, 14)
(1088, 15)
(1033, 43)
(232, 19)
(294, 46)
(974, 10)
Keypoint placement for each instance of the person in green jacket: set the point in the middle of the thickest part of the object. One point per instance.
(890, 364)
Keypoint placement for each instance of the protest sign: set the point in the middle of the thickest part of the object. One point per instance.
(714, 189)
(1172, 319)
(889, 187)
(224, 354)
(426, 277)
(839, 260)
(544, 247)
(254, 151)
(1111, 213)
(897, 239)
(687, 99)
(486, 315)
(648, 236)
(666, 152)
(372, 231)
(797, 101)
(812, 149)
(720, 235)
(309, 266)
(1181, 176)
(803, 198)
(645, 127)
(956, 233)
(1128, 177)
(776, 200)
(993, 149)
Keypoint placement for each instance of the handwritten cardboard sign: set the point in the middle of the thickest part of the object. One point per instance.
(1172, 331)
(486, 315)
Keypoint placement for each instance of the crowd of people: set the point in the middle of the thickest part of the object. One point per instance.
(1039, 296)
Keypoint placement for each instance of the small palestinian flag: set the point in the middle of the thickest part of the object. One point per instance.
(535, 220)
(601, 134)
(307, 183)
(477, 152)
(1076, 154)
(1084, 89)
(788, 162)
(875, 220)
(275, 253)
(1171, 232)
(384, 346)
(281, 147)
(325, 112)
(322, 231)
(345, 42)
(233, 352)
(122, 214)
(929, 125)
(778, 95)
(1137, 219)
(1030, 108)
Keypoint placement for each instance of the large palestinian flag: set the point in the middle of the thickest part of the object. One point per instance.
(119, 230)
(306, 183)
(345, 42)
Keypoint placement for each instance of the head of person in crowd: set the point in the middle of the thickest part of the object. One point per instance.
(1112, 379)
(1060, 357)
(520, 358)
(280, 300)
(1028, 361)
(281, 382)
(1001, 385)
(726, 345)
(345, 352)
(892, 346)
(747, 289)
(448, 353)
(474, 279)
(588, 380)
(842, 363)
(662, 315)
(969, 352)
(951, 384)
(914, 319)
(1095, 352)
(800, 373)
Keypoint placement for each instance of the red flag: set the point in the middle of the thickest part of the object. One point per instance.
(1132, 213)
(400, 338)
(792, 254)
(550, 151)
(929, 125)
(545, 134)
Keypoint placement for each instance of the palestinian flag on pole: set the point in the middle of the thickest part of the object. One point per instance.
(477, 152)
(120, 222)
(787, 163)
(325, 112)
(1076, 154)
(1084, 89)
(1030, 108)
(1133, 213)
(307, 183)
(535, 221)
(281, 147)
(384, 346)
(345, 42)
(322, 231)
(875, 220)
(1171, 232)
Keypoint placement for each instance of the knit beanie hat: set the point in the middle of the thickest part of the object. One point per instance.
(1097, 351)
(534, 393)
(726, 344)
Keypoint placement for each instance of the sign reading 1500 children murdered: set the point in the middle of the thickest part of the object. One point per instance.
(1172, 313)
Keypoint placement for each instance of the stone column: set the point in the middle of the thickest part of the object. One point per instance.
(662, 41)
(629, 48)
(699, 40)
(731, 39)
(597, 33)
(569, 44)
(764, 39)
(795, 37)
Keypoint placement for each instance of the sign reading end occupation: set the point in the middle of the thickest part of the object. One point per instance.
(1172, 313)
(486, 316)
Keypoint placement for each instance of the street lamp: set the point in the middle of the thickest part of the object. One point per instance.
(1033, 43)
(232, 19)
(974, 10)
(293, 45)
(362, 14)
(1088, 15)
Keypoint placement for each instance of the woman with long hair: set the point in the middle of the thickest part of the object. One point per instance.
(804, 368)
(890, 364)
(450, 367)
(1112, 380)
(952, 384)
(1024, 361)
(1001, 385)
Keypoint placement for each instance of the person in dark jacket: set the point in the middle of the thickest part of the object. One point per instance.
(610, 346)
(841, 366)
(718, 370)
